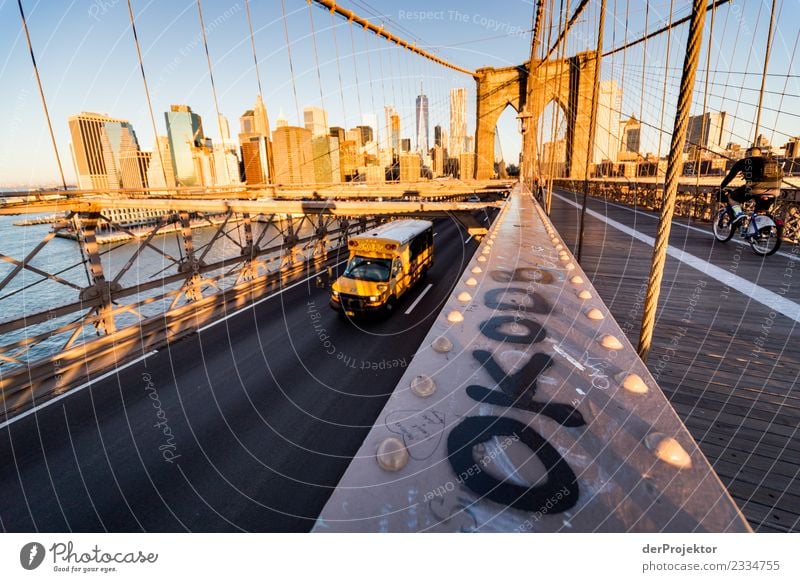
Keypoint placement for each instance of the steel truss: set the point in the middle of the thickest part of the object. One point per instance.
(117, 313)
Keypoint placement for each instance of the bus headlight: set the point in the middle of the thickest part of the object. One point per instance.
(335, 294)
(382, 287)
(374, 298)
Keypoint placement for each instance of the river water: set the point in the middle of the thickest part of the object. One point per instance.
(29, 293)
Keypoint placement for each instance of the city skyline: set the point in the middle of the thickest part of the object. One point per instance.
(108, 155)
(95, 68)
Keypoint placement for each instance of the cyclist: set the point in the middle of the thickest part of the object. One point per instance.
(762, 175)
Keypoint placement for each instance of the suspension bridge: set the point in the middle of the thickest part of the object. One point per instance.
(583, 356)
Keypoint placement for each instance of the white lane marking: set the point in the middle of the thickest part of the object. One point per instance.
(418, 299)
(690, 227)
(469, 238)
(435, 234)
(764, 296)
(250, 306)
(76, 390)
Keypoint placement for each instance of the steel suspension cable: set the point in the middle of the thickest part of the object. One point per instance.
(213, 91)
(338, 67)
(698, 159)
(268, 140)
(556, 119)
(764, 75)
(291, 62)
(673, 172)
(157, 145)
(664, 93)
(592, 125)
(316, 54)
(41, 94)
(253, 46)
(355, 72)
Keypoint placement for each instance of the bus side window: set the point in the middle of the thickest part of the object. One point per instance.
(396, 268)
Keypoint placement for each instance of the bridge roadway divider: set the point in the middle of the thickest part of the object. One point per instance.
(527, 409)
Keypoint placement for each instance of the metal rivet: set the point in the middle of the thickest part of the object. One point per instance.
(481, 259)
(464, 297)
(634, 383)
(569, 266)
(442, 345)
(455, 317)
(472, 281)
(576, 280)
(486, 251)
(392, 454)
(668, 450)
(559, 247)
(477, 270)
(595, 314)
(423, 386)
(584, 294)
(610, 342)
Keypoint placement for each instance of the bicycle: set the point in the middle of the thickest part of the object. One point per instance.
(758, 227)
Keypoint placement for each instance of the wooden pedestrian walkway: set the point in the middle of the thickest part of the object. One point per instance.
(727, 361)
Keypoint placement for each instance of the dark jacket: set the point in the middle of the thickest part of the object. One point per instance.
(762, 175)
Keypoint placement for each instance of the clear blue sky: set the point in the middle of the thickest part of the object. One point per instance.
(88, 62)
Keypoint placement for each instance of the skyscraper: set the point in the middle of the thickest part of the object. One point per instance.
(371, 120)
(293, 155)
(133, 166)
(708, 131)
(97, 142)
(437, 136)
(386, 141)
(327, 165)
(160, 172)
(395, 133)
(366, 134)
(254, 158)
(607, 128)
(631, 135)
(185, 132)
(422, 121)
(260, 118)
(458, 120)
(316, 121)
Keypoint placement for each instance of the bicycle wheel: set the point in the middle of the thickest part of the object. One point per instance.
(722, 225)
(767, 241)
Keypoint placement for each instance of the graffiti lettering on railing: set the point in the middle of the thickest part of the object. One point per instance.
(516, 390)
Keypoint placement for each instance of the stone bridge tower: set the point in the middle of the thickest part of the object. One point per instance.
(568, 82)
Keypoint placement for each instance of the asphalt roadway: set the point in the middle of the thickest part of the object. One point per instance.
(245, 425)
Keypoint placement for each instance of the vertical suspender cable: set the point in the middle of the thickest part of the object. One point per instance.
(764, 75)
(253, 46)
(561, 52)
(673, 172)
(592, 123)
(539, 136)
(644, 70)
(664, 94)
(355, 72)
(268, 140)
(213, 92)
(157, 145)
(316, 54)
(699, 147)
(291, 62)
(41, 94)
(338, 67)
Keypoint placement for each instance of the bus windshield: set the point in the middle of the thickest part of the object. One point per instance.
(368, 269)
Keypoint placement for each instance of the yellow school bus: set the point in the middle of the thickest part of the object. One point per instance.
(384, 263)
